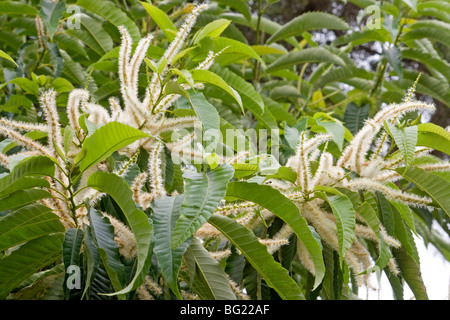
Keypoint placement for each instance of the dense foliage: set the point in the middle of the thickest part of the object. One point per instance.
(157, 151)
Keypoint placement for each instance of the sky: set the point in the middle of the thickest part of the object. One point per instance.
(435, 273)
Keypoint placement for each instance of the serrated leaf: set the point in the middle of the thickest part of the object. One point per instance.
(103, 234)
(22, 197)
(104, 141)
(309, 55)
(161, 19)
(344, 213)
(406, 140)
(308, 21)
(112, 14)
(203, 192)
(206, 76)
(433, 136)
(209, 275)
(257, 255)
(27, 223)
(355, 117)
(434, 186)
(51, 12)
(166, 212)
(137, 220)
(28, 259)
(285, 209)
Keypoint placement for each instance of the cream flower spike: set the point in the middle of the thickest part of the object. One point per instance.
(174, 47)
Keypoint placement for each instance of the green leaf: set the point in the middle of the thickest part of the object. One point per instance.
(206, 76)
(51, 12)
(104, 141)
(394, 57)
(113, 14)
(6, 56)
(250, 97)
(406, 140)
(92, 34)
(411, 3)
(284, 173)
(236, 51)
(434, 186)
(27, 223)
(410, 271)
(308, 21)
(309, 55)
(29, 259)
(208, 116)
(336, 130)
(14, 7)
(35, 166)
(238, 5)
(210, 281)
(212, 29)
(22, 197)
(257, 255)
(161, 19)
(344, 213)
(71, 249)
(138, 221)
(355, 117)
(433, 136)
(166, 212)
(203, 192)
(285, 209)
(103, 234)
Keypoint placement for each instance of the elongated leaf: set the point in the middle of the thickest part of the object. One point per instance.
(120, 191)
(22, 197)
(92, 34)
(406, 140)
(73, 239)
(103, 235)
(161, 19)
(51, 12)
(433, 136)
(27, 223)
(410, 271)
(309, 55)
(394, 57)
(212, 29)
(355, 117)
(14, 7)
(202, 196)
(166, 212)
(344, 213)
(209, 117)
(309, 21)
(6, 56)
(28, 259)
(436, 187)
(33, 166)
(104, 141)
(285, 209)
(257, 255)
(206, 76)
(24, 183)
(214, 282)
(234, 48)
(113, 14)
(250, 97)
